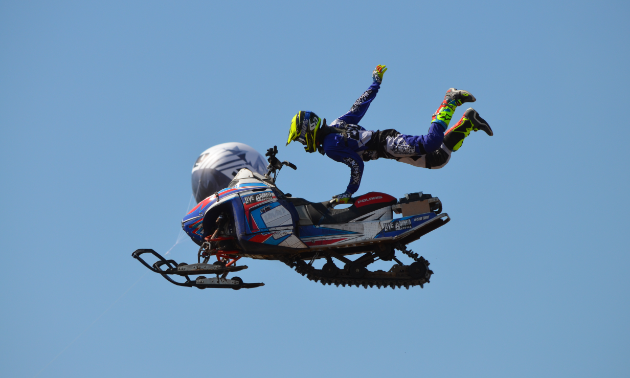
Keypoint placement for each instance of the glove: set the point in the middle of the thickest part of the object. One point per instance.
(377, 74)
(342, 198)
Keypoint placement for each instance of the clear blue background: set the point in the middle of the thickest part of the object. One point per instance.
(105, 107)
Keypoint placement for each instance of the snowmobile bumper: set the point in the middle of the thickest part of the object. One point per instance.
(184, 270)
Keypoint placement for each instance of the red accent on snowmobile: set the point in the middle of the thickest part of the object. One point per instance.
(260, 238)
(372, 198)
(200, 205)
(224, 254)
(209, 238)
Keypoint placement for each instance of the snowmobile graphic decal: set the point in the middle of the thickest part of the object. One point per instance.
(316, 235)
(263, 211)
(268, 220)
(269, 238)
(400, 226)
(359, 232)
(283, 238)
(268, 216)
(193, 221)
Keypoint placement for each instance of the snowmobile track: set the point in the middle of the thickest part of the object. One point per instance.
(399, 276)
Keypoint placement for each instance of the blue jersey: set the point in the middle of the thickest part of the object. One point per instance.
(348, 150)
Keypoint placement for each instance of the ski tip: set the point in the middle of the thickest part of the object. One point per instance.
(251, 285)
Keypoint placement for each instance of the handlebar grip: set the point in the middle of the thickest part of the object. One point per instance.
(290, 165)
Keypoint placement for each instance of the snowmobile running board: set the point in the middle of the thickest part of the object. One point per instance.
(185, 270)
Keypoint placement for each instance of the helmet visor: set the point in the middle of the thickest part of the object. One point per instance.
(296, 131)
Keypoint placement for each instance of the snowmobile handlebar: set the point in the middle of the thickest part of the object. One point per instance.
(290, 165)
(276, 165)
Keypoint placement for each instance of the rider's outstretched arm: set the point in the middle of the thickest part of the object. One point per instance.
(351, 159)
(362, 104)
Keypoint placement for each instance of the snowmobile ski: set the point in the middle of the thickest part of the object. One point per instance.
(201, 282)
(184, 269)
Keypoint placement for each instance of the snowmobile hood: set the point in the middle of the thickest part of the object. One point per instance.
(192, 223)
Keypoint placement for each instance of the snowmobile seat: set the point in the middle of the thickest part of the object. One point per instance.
(318, 213)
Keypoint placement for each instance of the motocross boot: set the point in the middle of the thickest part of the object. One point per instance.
(452, 100)
(470, 121)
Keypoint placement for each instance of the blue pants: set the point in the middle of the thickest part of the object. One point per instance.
(405, 145)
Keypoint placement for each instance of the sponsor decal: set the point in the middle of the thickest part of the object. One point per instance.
(397, 225)
(362, 201)
(258, 198)
(373, 198)
(275, 217)
(280, 234)
(418, 219)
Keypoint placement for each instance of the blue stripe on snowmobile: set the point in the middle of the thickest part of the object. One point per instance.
(311, 231)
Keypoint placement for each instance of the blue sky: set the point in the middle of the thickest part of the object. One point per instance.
(104, 108)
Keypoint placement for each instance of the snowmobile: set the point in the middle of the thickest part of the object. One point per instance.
(253, 218)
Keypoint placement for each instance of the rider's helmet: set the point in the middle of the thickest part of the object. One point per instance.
(304, 127)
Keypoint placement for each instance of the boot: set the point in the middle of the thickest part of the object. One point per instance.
(470, 121)
(452, 99)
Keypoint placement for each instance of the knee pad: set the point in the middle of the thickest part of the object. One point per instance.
(437, 159)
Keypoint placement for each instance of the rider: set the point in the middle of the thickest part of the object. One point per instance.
(347, 142)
